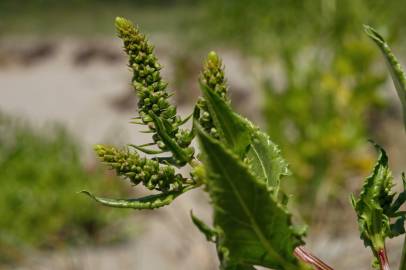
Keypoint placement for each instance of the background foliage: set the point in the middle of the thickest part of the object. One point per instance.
(40, 175)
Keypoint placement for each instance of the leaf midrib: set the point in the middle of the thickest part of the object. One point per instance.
(261, 163)
(265, 243)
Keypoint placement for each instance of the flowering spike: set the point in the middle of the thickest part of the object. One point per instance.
(140, 170)
(153, 96)
(212, 77)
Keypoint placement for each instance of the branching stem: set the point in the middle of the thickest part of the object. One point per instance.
(309, 258)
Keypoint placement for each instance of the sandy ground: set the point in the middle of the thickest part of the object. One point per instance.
(89, 92)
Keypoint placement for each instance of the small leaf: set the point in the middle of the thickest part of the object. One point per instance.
(374, 198)
(147, 202)
(178, 152)
(210, 233)
(141, 148)
(398, 228)
(257, 230)
(401, 197)
(184, 121)
(232, 128)
(396, 70)
(266, 161)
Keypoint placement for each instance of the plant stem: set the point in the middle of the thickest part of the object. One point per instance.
(403, 261)
(309, 258)
(383, 259)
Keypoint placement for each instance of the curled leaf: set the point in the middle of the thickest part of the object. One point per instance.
(147, 202)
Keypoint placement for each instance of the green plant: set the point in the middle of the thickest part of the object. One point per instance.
(40, 172)
(311, 71)
(238, 165)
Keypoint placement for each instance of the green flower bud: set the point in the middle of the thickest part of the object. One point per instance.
(212, 77)
(148, 84)
(139, 169)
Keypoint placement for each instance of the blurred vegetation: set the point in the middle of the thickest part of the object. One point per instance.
(92, 18)
(274, 27)
(320, 117)
(40, 175)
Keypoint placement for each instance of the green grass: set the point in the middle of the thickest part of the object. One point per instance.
(40, 175)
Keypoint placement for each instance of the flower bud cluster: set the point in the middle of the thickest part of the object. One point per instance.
(149, 86)
(139, 169)
(213, 78)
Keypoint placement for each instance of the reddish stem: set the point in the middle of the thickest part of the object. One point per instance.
(309, 258)
(383, 259)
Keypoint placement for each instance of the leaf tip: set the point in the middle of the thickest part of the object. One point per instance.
(87, 193)
(373, 34)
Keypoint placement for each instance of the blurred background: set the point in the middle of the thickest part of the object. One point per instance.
(302, 70)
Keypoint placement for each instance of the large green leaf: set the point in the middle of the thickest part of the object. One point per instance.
(396, 70)
(257, 230)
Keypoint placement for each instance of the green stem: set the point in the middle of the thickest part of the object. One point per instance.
(383, 259)
(403, 260)
(309, 258)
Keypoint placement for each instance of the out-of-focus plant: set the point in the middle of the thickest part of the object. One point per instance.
(40, 174)
(276, 27)
(319, 117)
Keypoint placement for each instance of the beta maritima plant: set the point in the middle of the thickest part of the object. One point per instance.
(238, 165)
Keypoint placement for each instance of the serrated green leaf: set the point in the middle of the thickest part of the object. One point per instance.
(257, 230)
(147, 202)
(266, 161)
(376, 206)
(233, 130)
(396, 70)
